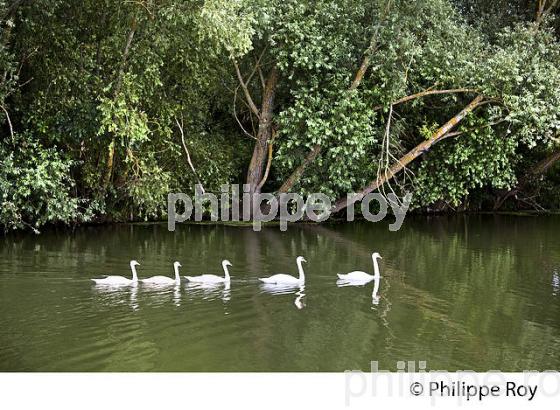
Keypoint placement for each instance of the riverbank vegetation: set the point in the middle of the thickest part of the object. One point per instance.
(106, 106)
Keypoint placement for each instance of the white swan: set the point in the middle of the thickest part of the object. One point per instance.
(120, 280)
(363, 277)
(283, 279)
(165, 280)
(212, 278)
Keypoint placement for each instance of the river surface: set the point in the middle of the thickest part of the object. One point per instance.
(460, 293)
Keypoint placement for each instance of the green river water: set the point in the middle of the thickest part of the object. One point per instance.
(460, 293)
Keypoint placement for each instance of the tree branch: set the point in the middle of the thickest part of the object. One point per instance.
(298, 172)
(426, 93)
(9, 121)
(369, 52)
(409, 157)
(543, 10)
(180, 126)
(539, 169)
(237, 118)
(269, 161)
(125, 55)
(252, 105)
(457, 133)
(11, 10)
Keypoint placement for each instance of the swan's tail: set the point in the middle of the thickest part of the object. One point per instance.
(189, 278)
(266, 280)
(341, 276)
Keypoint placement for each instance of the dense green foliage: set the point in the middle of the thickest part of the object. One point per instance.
(107, 106)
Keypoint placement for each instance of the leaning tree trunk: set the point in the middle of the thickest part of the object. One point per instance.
(538, 170)
(264, 134)
(316, 150)
(409, 157)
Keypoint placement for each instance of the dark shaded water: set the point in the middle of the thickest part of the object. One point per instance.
(470, 293)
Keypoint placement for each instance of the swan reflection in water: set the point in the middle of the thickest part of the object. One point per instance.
(115, 295)
(210, 291)
(177, 295)
(161, 293)
(374, 294)
(286, 289)
(555, 283)
(134, 297)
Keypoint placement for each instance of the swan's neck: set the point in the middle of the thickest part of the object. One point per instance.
(177, 277)
(226, 272)
(300, 271)
(375, 268)
(134, 274)
(375, 287)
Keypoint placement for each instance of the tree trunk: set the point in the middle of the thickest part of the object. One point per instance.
(538, 170)
(544, 7)
(410, 156)
(111, 149)
(264, 134)
(296, 175)
(109, 165)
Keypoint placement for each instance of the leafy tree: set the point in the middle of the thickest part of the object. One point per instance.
(118, 103)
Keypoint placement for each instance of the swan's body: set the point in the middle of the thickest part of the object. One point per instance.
(363, 277)
(120, 280)
(212, 278)
(356, 276)
(165, 280)
(283, 279)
